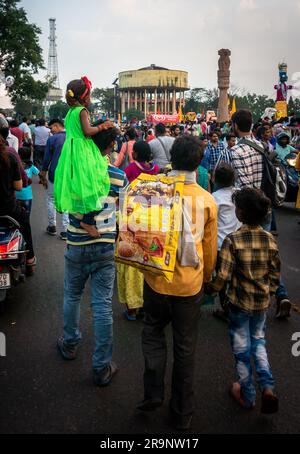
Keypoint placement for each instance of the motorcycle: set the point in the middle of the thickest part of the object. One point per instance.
(289, 164)
(12, 256)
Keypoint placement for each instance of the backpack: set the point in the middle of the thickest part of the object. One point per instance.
(274, 178)
(126, 160)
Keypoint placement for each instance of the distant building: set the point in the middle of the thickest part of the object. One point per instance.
(152, 90)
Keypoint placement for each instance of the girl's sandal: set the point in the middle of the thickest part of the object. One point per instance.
(269, 404)
(30, 267)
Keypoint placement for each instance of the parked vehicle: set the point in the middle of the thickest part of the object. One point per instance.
(292, 177)
(12, 256)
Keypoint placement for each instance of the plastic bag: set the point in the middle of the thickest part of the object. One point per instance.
(150, 224)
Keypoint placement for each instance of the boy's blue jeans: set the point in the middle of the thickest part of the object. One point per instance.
(95, 261)
(247, 333)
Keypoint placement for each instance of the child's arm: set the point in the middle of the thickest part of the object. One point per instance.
(274, 273)
(227, 263)
(89, 130)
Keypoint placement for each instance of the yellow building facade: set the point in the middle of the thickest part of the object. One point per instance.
(152, 90)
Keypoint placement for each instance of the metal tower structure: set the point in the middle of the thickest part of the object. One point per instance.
(52, 59)
(55, 94)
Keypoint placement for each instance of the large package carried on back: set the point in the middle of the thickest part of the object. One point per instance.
(150, 222)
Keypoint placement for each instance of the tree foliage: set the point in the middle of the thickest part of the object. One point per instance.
(58, 110)
(134, 114)
(105, 97)
(26, 108)
(201, 99)
(20, 52)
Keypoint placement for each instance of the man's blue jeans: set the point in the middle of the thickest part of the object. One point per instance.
(281, 292)
(95, 261)
(247, 333)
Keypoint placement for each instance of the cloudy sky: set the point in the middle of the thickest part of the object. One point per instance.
(100, 38)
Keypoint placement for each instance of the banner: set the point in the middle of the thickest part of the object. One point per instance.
(165, 119)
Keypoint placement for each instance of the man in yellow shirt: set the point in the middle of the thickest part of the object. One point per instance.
(179, 302)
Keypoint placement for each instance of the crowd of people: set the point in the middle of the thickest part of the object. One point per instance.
(85, 168)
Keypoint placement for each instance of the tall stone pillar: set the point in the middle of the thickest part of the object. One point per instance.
(123, 103)
(166, 100)
(135, 100)
(155, 101)
(223, 84)
(174, 102)
(129, 94)
(141, 101)
(145, 111)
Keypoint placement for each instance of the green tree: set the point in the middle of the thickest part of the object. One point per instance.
(105, 97)
(256, 103)
(20, 52)
(58, 110)
(133, 114)
(199, 99)
(26, 108)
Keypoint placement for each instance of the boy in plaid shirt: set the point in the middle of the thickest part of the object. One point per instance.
(250, 265)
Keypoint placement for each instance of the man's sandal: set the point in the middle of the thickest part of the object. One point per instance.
(30, 267)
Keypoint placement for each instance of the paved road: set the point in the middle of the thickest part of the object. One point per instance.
(39, 393)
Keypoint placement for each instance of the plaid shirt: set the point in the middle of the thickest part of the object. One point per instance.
(224, 157)
(213, 154)
(250, 264)
(248, 165)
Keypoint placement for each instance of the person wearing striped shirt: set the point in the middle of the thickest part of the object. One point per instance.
(225, 155)
(93, 257)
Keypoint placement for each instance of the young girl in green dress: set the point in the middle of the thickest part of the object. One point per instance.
(81, 177)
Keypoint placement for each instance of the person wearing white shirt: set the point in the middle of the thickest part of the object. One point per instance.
(13, 141)
(227, 220)
(41, 135)
(26, 130)
(224, 179)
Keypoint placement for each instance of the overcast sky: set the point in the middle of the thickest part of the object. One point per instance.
(100, 38)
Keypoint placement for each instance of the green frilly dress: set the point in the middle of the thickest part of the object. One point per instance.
(81, 178)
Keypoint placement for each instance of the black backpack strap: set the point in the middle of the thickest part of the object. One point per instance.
(254, 145)
(168, 157)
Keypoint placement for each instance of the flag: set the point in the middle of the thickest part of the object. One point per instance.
(180, 114)
(233, 108)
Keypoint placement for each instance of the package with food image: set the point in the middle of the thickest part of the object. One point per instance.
(150, 222)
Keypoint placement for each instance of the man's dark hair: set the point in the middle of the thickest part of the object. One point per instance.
(186, 153)
(103, 139)
(56, 121)
(213, 133)
(160, 129)
(42, 121)
(4, 133)
(24, 119)
(14, 123)
(230, 136)
(131, 134)
(224, 176)
(25, 153)
(143, 152)
(243, 119)
(254, 206)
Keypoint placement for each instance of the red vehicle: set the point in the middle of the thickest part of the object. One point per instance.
(12, 256)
